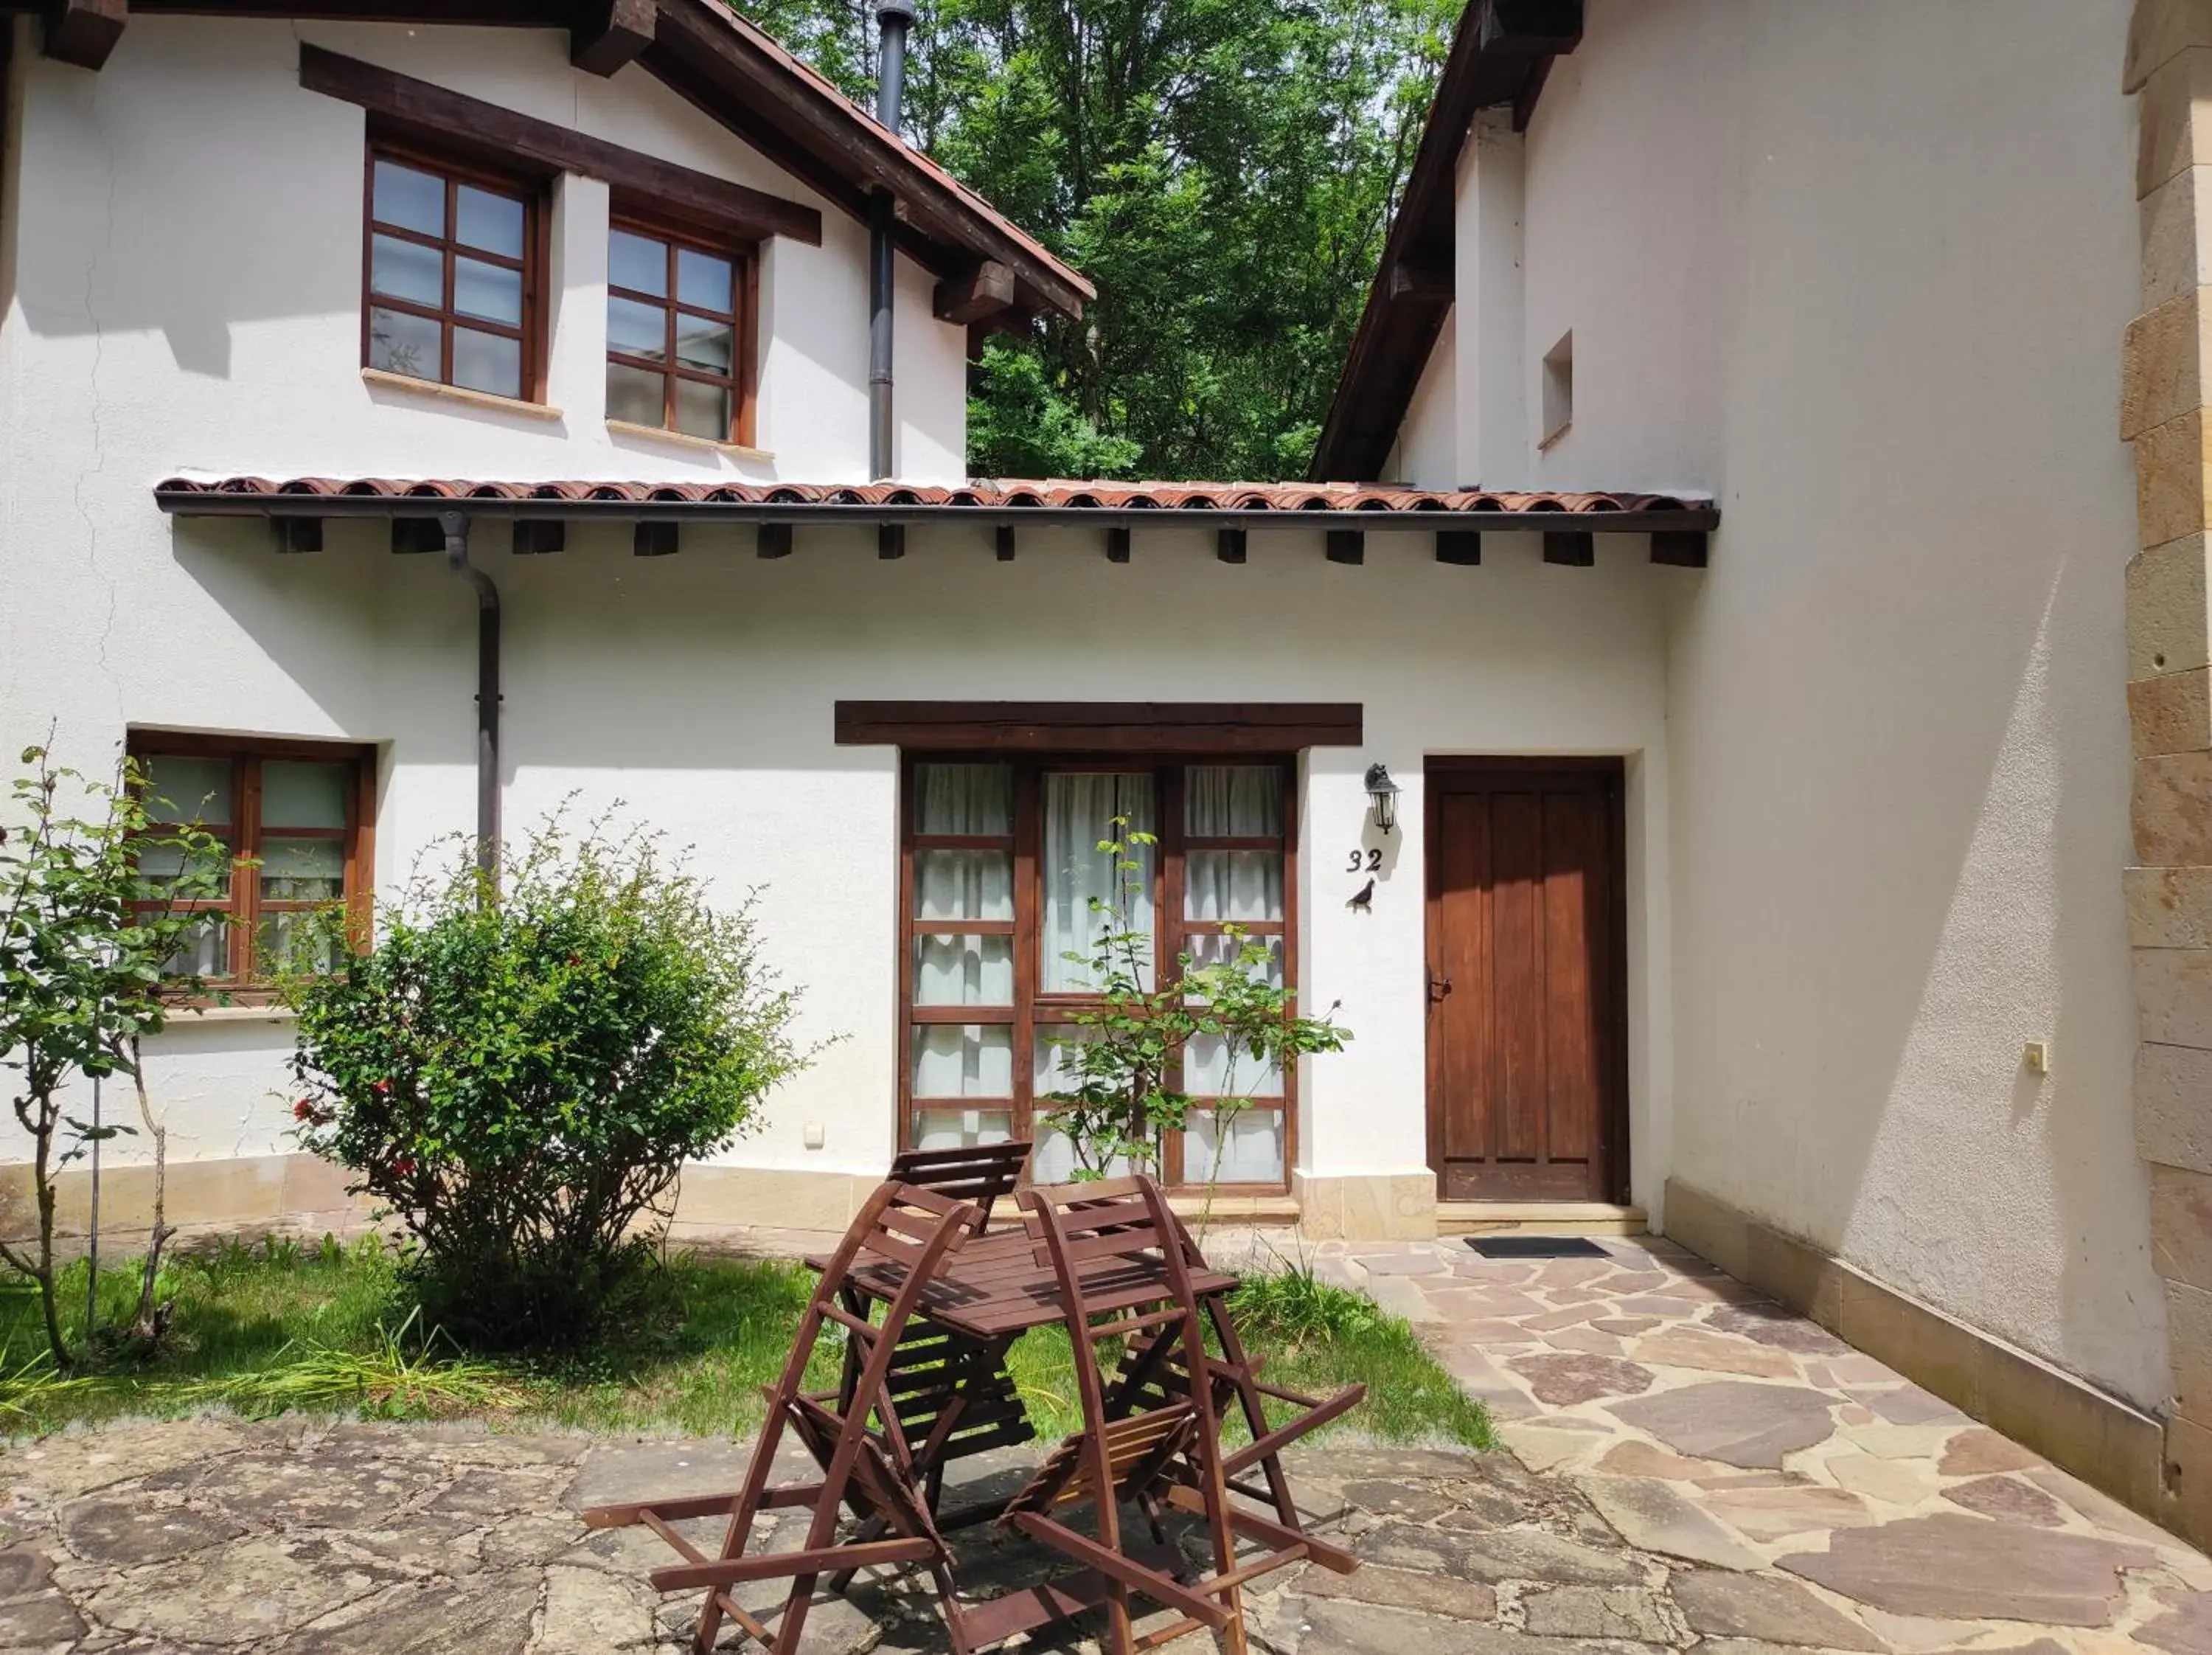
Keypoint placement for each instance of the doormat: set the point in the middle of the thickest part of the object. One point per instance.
(1537, 1247)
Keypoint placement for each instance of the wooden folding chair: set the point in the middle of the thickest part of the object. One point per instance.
(1101, 1238)
(954, 1395)
(1152, 1373)
(977, 1174)
(853, 1434)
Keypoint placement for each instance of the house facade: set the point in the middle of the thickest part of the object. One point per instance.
(1741, 617)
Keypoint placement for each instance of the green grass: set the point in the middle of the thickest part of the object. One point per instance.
(282, 1327)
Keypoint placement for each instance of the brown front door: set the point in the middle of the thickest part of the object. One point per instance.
(1528, 1028)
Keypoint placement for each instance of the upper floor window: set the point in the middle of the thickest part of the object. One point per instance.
(452, 275)
(679, 334)
(293, 819)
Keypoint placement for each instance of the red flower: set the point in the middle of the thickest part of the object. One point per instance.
(575, 959)
(304, 1109)
(403, 1165)
(381, 1087)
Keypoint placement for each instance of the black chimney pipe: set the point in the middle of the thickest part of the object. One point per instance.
(894, 18)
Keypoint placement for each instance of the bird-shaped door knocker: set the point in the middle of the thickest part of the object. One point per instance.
(1363, 900)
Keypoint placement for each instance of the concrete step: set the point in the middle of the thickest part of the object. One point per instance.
(1538, 1218)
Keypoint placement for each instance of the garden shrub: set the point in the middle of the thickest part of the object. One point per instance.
(519, 1075)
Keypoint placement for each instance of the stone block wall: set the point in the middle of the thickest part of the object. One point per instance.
(2166, 412)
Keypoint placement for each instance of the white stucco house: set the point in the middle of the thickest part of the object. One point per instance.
(1720, 538)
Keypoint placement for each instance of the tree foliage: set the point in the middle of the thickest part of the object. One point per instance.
(1223, 170)
(92, 918)
(520, 1081)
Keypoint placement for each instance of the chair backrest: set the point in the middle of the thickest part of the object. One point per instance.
(1118, 1254)
(976, 1173)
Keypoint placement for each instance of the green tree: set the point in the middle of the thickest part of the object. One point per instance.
(91, 919)
(1223, 170)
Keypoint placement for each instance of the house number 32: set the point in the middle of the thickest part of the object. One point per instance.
(1368, 861)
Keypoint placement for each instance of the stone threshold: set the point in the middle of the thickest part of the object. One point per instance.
(1546, 1218)
(2107, 1443)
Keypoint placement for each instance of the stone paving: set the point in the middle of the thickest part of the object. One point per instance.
(1689, 1467)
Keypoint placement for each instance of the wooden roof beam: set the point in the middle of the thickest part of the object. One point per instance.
(83, 32)
(610, 34)
(984, 292)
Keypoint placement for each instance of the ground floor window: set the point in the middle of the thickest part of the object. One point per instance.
(1000, 866)
(294, 821)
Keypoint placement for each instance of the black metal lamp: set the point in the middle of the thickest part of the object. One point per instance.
(1383, 794)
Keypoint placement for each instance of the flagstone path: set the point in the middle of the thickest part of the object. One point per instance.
(1690, 1467)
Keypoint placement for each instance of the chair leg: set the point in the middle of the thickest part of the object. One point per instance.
(1255, 1411)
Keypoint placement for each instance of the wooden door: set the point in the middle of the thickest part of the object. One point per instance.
(1528, 1029)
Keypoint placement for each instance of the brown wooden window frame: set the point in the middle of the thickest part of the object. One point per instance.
(741, 317)
(455, 173)
(245, 836)
(1034, 1010)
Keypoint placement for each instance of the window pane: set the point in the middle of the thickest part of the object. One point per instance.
(490, 291)
(1050, 1070)
(1232, 801)
(1252, 1154)
(962, 1129)
(1233, 885)
(633, 394)
(188, 790)
(485, 362)
(295, 942)
(413, 200)
(637, 330)
(963, 799)
(1079, 811)
(1209, 949)
(304, 795)
(704, 280)
(204, 951)
(1052, 1160)
(963, 884)
(302, 870)
(703, 345)
(1209, 1070)
(964, 1060)
(400, 343)
(637, 262)
(407, 269)
(161, 865)
(703, 410)
(493, 223)
(959, 970)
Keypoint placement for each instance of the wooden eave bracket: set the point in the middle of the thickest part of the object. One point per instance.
(83, 32)
(983, 292)
(610, 33)
(1427, 278)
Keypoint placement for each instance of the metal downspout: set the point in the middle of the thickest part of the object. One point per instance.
(894, 17)
(455, 527)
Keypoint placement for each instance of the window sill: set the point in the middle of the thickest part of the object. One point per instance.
(189, 1015)
(378, 379)
(1553, 437)
(622, 428)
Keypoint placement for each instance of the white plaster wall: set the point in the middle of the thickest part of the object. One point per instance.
(1861, 273)
(186, 294)
(699, 688)
(1427, 450)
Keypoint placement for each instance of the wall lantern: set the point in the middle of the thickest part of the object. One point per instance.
(1383, 793)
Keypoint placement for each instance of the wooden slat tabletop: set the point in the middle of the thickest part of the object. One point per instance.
(995, 1286)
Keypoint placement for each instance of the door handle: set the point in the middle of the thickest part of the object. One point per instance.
(1438, 988)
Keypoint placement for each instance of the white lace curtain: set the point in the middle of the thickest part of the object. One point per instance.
(1079, 811)
(1233, 802)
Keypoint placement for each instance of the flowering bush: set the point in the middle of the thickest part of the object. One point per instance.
(519, 1075)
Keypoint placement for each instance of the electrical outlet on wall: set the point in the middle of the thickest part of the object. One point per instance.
(2038, 1057)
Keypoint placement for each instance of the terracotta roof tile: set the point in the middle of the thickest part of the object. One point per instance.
(1008, 494)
